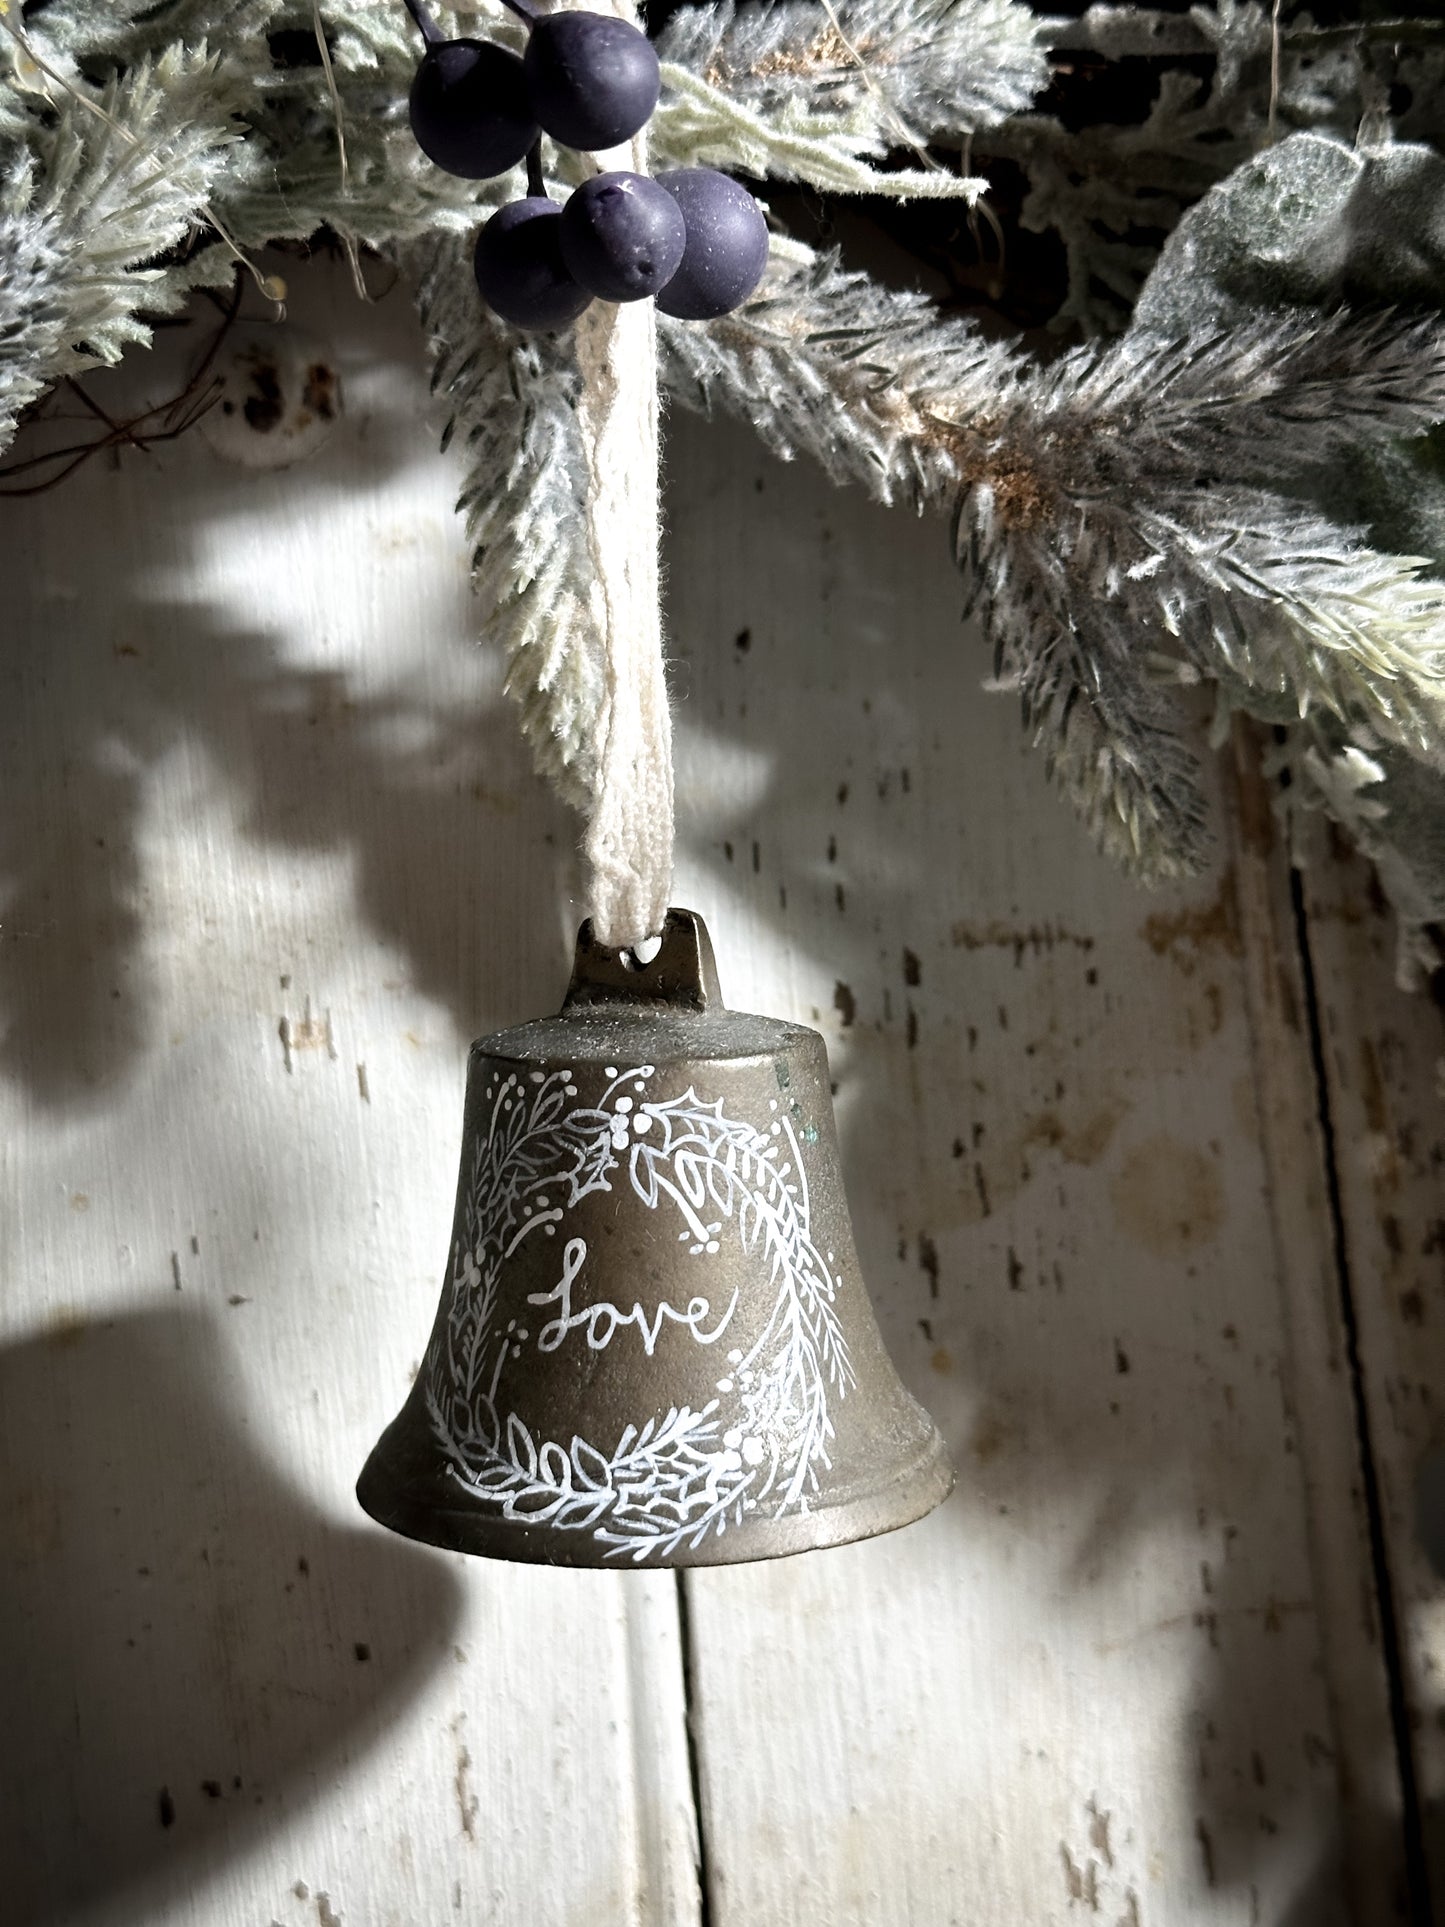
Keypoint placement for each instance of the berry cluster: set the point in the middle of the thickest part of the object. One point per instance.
(692, 238)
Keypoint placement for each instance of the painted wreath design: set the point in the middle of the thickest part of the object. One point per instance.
(672, 1480)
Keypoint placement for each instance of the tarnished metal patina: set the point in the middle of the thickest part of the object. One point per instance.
(653, 1344)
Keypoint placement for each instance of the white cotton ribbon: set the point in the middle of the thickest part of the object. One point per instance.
(628, 843)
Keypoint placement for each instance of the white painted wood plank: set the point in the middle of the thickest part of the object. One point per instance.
(1059, 1696)
(1094, 1682)
(271, 857)
(1318, 1376)
(1384, 1051)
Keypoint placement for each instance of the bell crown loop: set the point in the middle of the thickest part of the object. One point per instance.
(682, 973)
(672, 1005)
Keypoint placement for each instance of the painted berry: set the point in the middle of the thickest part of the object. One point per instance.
(593, 79)
(726, 248)
(469, 108)
(520, 270)
(622, 236)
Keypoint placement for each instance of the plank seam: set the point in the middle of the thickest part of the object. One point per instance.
(694, 1752)
(1416, 1871)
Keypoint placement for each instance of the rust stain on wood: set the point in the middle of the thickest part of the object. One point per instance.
(321, 392)
(990, 1436)
(1185, 936)
(306, 1033)
(1084, 1144)
(1384, 1154)
(1252, 792)
(1168, 1197)
(1035, 939)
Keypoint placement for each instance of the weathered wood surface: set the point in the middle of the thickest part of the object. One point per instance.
(271, 857)
(1096, 1679)
(1383, 1055)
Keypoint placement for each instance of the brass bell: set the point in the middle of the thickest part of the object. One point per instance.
(653, 1343)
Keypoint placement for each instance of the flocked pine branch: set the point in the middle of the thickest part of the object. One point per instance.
(824, 362)
(1116, 557)
(700, 125)
(877, 74)
(1110, 562)
(128, 30)
(1134, 521)
(90, 201)
(287, 178)
(1390, 806)
(1112, 192)
(1304, 612)
(511, 405)
(1266, 399)
(818, 92)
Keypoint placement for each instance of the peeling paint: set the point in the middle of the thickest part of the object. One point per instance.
(928, 1261)
(468, 1804)
(307, 1033)
(1081, 1883)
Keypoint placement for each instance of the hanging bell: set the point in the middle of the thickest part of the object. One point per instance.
(653, 1344)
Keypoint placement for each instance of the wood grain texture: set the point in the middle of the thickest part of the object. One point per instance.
(1320, 1367)
(1095, 1681)
(270, 856)
(1384, 1061)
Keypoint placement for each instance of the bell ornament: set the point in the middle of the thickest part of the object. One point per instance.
(653, 1344)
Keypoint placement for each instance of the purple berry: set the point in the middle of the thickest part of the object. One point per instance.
(726, 248)
(622, 236)
(594, 79)
(520, 269)
(469, 108)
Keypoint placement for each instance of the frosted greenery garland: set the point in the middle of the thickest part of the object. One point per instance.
(1112, 582)
(1132, 517)
(1101, 188)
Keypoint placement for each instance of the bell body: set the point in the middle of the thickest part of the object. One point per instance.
(653, 1343)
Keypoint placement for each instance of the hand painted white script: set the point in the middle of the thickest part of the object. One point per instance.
(602, 1321)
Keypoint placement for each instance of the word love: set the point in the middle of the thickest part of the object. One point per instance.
(602, 1322)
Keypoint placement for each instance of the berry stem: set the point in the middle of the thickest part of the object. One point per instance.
(523, 9)
(431, 33)
(536, 186)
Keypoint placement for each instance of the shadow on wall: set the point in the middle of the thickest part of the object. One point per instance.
(245, 1617)
(111, 669)
(155, 1560)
